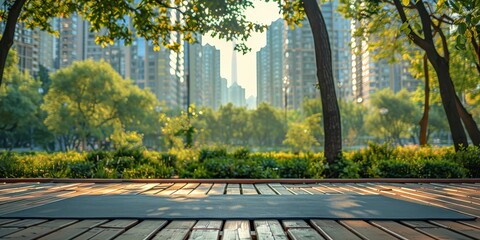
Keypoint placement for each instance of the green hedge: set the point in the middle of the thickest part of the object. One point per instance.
(375, 161)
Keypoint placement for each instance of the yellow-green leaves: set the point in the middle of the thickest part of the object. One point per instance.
(406, 2)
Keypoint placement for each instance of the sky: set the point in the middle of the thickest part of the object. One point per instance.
(246, 64)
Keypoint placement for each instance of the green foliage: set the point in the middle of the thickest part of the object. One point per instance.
(212, 152)
(300, 138)
(469, 158)
(19, 99)
(392, 115)
(343, 168)
(369, 158)
(90, 100)
(241, 153)
(441, 169)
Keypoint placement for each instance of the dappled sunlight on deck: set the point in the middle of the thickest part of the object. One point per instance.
(460, 197)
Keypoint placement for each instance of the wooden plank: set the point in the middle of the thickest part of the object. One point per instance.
(442, 233)
(264, 189)
(176, 230)
(269, 229)
(204, 234)
(157, 188)
(303, 233)
(280, 189)
(187, 189)
(287, 224)
(119, 223)
(331, 229)
(25, 223)
(296, 189)
(100, 234)
(366, 230)
(418, 224)
(248, 189)
(172, 189)
(5, 221)
(186, 224)
(217, 189)
(400, 231)
(326, 189)
(172, 234)
(460, 228)
(233, 188)
(144, 230)
(202, 189)
(236, 230)
(208, 224)
(73, 230)
(8, 231)
(41, 230)
(475, 223)
(108, 233)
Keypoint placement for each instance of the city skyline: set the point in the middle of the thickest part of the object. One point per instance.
(264, 13)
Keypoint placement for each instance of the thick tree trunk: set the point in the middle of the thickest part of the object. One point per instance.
(9, 32)
(424, 121)
(468, 122)
(323, 56)
(447, 92)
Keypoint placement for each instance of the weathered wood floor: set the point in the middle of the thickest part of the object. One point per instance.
(462, 197)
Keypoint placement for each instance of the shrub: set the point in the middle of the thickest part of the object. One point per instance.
(294, 168)
(469, 158)
(369, 158)
(10, 165)
(441, 169)
(241, 153)
(82, 169)
(397, 169)
(342, 168)
(98, 155)
(212, 152)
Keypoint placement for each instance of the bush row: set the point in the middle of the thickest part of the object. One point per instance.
(375, 161)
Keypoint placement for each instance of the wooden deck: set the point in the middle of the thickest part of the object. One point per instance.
(462, 197)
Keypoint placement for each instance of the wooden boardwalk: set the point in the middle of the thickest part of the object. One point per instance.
(461, 197)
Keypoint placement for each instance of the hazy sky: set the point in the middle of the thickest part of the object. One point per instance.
(246, 64)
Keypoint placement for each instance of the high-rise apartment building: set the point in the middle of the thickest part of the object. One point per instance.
(286, 66)
(69, 45)
(270, 66)
(370, 75)
(211, 77)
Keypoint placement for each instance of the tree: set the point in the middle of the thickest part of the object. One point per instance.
(207, 126)
(233, 125)
(268, 128)
(89, 101)
(300, 138)
(353, 115)
(424, 28)
(323, 55)
(392, 115)
(18, 106)
(152, 20)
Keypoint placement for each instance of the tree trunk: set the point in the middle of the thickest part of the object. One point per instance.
(468, 122)
(447, 92)
(8, 33)
(323, 56)
(424, 121)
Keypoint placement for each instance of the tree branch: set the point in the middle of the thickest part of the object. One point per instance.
(446, 53)
(415, 38)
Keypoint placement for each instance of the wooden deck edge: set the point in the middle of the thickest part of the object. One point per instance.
(243, 181)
